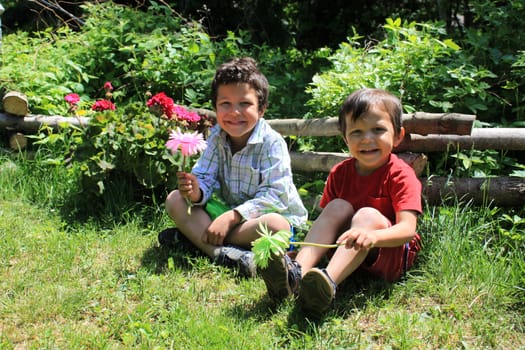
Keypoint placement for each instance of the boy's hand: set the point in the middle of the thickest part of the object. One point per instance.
(188, 186)
(358, 238)
(219, 228)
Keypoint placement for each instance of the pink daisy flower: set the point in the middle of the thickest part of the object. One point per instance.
(188, 143)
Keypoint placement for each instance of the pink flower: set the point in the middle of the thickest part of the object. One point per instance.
(183, 114)
(103, 105)
(189, 143)
(162, 102)
(108, 86)
(72, 99)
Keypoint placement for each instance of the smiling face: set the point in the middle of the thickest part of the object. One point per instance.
(370, 139)
(238, 111)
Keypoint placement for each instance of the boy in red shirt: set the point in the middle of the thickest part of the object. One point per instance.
(370, 203)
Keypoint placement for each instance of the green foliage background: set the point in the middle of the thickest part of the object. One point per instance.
(145, 51)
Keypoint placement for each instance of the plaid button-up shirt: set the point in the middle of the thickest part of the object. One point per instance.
(255, 180)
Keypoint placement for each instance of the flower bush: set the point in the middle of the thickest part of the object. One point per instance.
(127, 144)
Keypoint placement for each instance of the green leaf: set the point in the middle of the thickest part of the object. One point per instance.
(269, 244)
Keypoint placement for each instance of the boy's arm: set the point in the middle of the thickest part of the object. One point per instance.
(401, 232)
(398, 234)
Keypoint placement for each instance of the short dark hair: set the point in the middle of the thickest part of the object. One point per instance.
(241, 70)
(360, 101)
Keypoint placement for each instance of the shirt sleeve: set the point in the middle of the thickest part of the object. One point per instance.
(406, 190)
(333, 181)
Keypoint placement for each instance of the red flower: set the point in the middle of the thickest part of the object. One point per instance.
(108, 86)
(162, 102)
(103, 105)
(72, 99)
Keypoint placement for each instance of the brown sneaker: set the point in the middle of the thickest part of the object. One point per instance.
(317, 292)
(281, 276)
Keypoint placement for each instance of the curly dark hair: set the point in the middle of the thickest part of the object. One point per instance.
(241, 70)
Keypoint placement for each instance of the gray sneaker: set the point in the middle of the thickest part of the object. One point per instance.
(282, 277)
(317, 292)
(238, 258)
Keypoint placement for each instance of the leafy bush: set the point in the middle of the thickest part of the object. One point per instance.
(415, 61)
(122, 144)
(41, 69)
(494, 40)
(138, 52)
(428, 72)
(475, 163)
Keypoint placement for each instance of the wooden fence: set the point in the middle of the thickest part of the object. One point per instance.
(425, 132)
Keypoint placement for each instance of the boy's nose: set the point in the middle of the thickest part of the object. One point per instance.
(368, 135)
(235, 108)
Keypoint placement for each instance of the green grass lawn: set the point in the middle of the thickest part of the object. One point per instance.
(105, 284)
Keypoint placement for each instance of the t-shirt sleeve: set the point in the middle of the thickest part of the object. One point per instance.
(406, 190)
(331, 188)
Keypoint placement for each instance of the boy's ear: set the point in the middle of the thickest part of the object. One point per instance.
(262, 110)
(399, 137)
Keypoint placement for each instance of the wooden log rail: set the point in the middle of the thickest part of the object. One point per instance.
(425, 132)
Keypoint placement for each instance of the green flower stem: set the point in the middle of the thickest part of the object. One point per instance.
(335, 245)
(188, 201)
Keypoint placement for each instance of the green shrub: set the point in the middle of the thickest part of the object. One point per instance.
(427, 71)
(128, 143)
(415, 61)
(138, 52)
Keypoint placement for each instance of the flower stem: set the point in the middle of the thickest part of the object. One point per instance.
(188, 201)
(335, 245)
(190, 204)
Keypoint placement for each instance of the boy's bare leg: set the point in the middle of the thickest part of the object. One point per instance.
(345, 261)
(333, 220)
(245, 233)
(192, 226)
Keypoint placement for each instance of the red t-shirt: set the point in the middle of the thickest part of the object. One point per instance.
(390, 189)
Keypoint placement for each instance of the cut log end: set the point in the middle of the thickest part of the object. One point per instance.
(16, 103)
(18, 141)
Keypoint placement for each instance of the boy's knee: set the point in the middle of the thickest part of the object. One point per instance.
(339, 207)
(172, 202)
(275, 222)
(370, 216)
